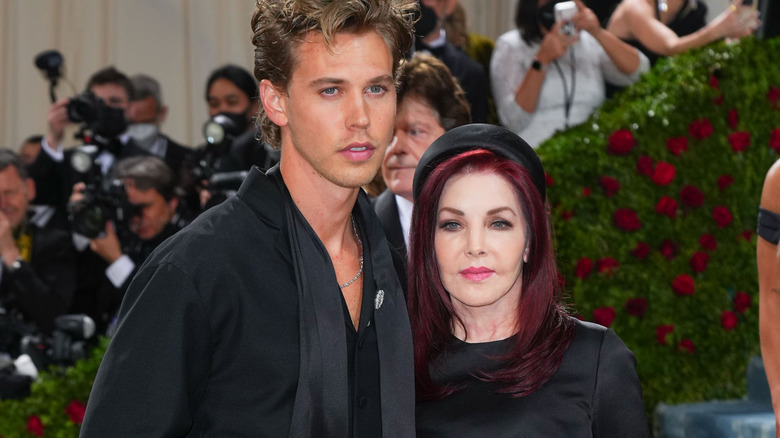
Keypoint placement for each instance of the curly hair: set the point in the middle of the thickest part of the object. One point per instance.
(279, 26)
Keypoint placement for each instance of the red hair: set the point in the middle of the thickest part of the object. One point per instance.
(544, 329)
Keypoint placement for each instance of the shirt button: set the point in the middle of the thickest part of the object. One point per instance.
(363, 402)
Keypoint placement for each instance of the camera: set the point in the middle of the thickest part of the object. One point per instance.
(564, 12)
(86, 108)
(104, 198)
(90, 110)
(70, 341)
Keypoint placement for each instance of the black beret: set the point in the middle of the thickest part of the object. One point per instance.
(493, 138)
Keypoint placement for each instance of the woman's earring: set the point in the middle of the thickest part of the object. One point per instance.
(663, 6)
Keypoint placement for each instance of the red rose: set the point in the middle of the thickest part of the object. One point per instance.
(645, 165)
(663, 174)
(621, 142)
(747, 235)
(722, 216)
(714, 82)
(774, 140)
(75, 411)
(641, 250)
(35, 425)
(567, 214)
(692, 196)
(661, 331)
(667, 206)
(586, 191)
(636, 306)
(610, 185)
(607, 264)
(708, 242)
(733, 118)
(604, 316)
(739, 141)
(683, 285)
(677, 145)
(627, 219)
(773, 95)
(687, 344)
(728, 320)
(669, 249)
(742, 302)
(699, 261)
(725, 181)
(718, 101)
(700, 129)
(584, 267)
(548, 179)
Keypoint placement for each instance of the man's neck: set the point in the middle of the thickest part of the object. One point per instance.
(324, 205)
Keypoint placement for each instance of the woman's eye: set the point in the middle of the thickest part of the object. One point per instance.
(501, 224)
(449, 226)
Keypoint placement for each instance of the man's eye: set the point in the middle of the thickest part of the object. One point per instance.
(376, 89)
(330, 91)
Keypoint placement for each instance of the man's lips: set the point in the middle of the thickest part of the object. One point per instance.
(476, 274)
(358, 151)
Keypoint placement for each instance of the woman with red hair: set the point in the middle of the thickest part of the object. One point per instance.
(496, 353)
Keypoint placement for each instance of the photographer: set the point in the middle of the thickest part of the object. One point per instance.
(548, 75)
(231, 96)
(150, 201)
(38, 274)
(103, 110)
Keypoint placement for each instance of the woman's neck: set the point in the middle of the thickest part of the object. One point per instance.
(480, 327)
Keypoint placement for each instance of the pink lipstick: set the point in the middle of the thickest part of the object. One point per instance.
(476, 274)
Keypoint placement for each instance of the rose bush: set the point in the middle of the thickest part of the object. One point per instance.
(681, 157)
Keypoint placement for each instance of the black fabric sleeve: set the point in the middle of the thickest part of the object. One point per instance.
(157, 365)
(44, 289)
(768, 225)
(618, 410)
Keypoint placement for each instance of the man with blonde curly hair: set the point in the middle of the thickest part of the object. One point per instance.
(279, 312)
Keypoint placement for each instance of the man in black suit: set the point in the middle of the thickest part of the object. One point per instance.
(38, 274)
(279, 312)
(430, 102)
(431, 37)
(147, 114)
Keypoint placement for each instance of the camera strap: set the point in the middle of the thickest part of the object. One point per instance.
(568, 95)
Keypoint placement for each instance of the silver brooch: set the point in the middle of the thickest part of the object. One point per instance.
(380, 298)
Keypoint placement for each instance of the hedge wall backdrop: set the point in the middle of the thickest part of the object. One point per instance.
(654, 203)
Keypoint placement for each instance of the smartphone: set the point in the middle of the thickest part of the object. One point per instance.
(564, 12)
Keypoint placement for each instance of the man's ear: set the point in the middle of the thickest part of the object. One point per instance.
(272, 100)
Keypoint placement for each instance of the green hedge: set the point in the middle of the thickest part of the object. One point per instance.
(654, 202)
(56, 404)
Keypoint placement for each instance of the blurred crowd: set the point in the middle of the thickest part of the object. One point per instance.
(76, 223)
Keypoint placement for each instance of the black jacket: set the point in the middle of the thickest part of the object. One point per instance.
(208, 337)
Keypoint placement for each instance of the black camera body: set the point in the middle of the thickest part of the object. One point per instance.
(71, 340)
(105, 198)
(94, 114)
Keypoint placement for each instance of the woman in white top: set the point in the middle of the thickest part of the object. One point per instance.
(545, 80)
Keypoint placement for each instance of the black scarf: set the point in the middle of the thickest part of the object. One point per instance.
(321, 406)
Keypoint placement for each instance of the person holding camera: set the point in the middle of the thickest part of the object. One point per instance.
(148, 202)
(38, 275)
(549, 73)
(103, 111)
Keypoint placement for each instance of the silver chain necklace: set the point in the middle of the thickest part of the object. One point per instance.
(360, 244)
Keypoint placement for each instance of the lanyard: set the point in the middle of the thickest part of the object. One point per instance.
(568, 95)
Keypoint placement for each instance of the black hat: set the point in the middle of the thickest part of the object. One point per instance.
(493, 138)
